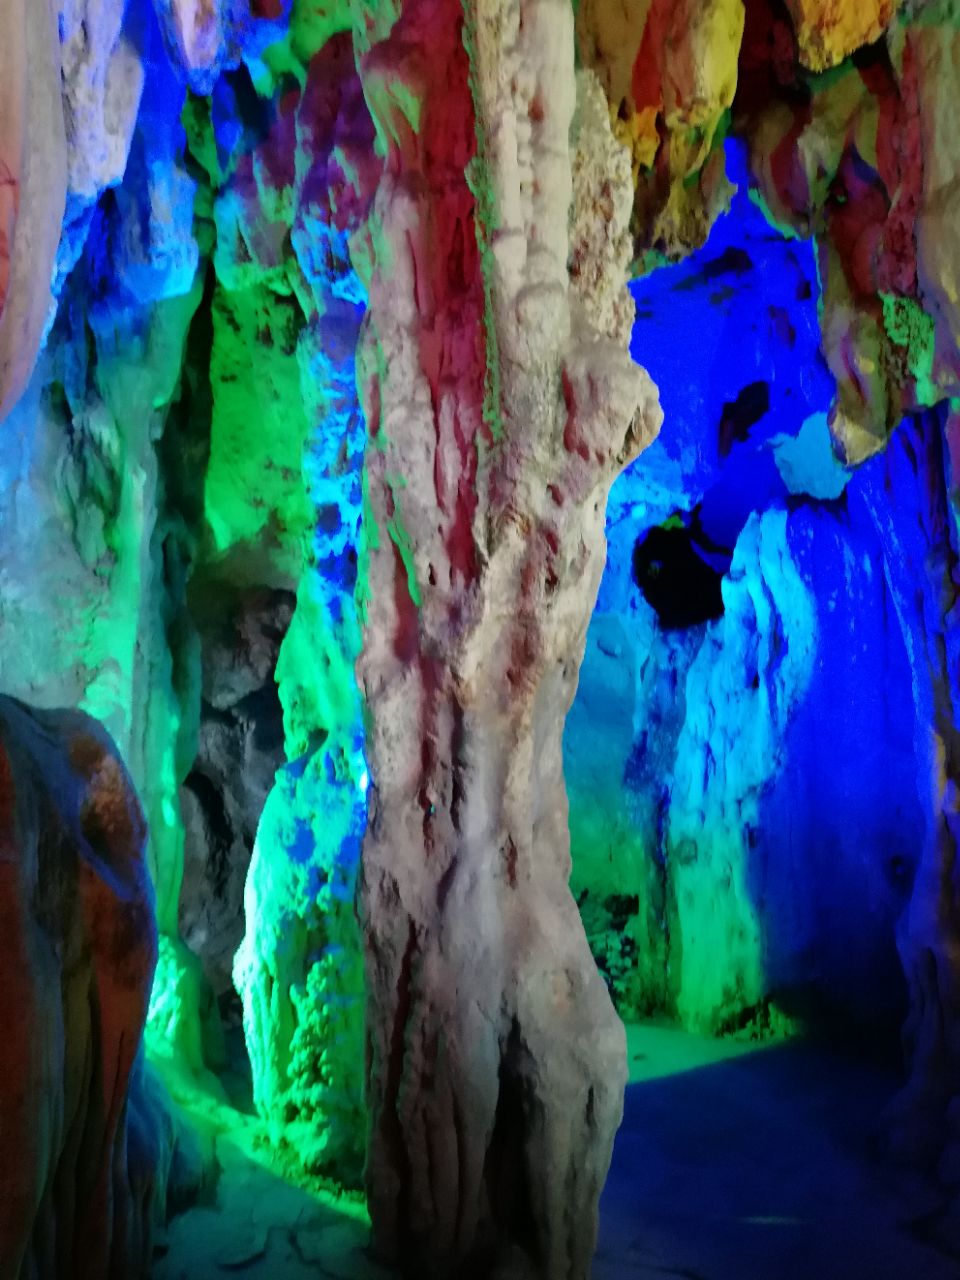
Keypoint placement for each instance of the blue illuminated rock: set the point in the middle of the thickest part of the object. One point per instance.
(299, 968)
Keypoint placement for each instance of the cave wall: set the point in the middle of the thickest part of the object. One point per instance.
(279, 523)
(765, 753)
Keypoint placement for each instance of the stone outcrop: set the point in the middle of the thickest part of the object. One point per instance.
(828, 32)
(239, 750)
(681, 765)
(89, 500)
(83, 1169)
(858, 159)
(103, 79)
(740, 693)
(204, 37)
(498, 416)
(670, 73)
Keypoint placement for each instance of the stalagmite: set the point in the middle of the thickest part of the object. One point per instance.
(299, 968)
(318, 361)
(500, 405)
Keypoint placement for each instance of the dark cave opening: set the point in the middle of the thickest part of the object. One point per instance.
(680, 572)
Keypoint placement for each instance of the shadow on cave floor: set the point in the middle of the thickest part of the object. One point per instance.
(760, 1167)
(258, 1224)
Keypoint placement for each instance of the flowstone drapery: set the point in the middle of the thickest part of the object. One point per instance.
(86, 1149)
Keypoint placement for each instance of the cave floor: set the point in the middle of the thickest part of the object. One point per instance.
(742, 1163)
(733, 1163)
(258, 1224)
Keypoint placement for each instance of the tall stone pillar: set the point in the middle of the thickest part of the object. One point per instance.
(501, 403)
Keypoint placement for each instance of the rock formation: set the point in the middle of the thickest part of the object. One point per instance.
(239, 750)
(500, 405)
(83, 1170)
(33, 183)
(670, 74)
(314, 380)
(677, 760)
(920, 561)
(299, 969)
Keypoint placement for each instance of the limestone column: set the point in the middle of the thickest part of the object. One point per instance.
(500, 404)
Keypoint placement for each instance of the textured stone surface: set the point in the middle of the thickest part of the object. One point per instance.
(77, 949)
(206, 36)
(497, 417)
(299, 969)
(103, 80)
(830, 30)
(680, 769)
(670, 73)
(239, 749)
(934, 56)
(741, 690)
(192, 434)
(33, 160)
(921, 566)
(858, 159)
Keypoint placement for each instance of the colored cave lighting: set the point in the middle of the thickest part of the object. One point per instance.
(283, 489)
(479, 573)
(731, 336)
(742, 615)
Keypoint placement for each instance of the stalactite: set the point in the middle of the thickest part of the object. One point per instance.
(498, 414)
(670, 73)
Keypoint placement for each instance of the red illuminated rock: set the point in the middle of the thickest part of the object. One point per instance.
(77, 952)
(670, 73)
(848, 160)
(499, 413)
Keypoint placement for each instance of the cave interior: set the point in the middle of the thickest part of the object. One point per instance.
(480, 713)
